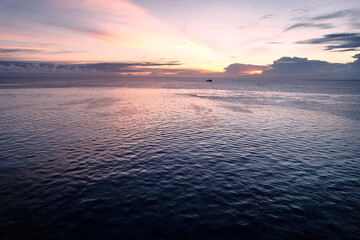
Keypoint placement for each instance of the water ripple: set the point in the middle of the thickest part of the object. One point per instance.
(139, 163)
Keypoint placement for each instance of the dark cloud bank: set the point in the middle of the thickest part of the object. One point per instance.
(295, 67)
(49, 68)
(283, 68)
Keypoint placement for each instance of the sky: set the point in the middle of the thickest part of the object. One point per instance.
(219, 38)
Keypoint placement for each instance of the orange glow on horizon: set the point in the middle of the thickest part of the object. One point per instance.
(254, 72)
(135, 73)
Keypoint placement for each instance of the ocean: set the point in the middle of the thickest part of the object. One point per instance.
(179, 158)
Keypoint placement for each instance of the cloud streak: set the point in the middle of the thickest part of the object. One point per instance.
(19, 50)
(337, 41)
(82, 29)
(309, 25)
(337, 14)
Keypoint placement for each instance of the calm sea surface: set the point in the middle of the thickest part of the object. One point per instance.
(179, 159)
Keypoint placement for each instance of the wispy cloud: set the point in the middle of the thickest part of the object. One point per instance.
(19, 50)
(99, 33)
(338, 14)
(309, 25)
(266, 16)
(336, 20)
(349, 16)
(11, 52)
(337, 41)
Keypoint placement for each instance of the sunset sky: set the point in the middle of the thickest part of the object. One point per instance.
(189, 37)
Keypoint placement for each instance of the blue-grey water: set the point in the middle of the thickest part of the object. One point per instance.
(179, 159)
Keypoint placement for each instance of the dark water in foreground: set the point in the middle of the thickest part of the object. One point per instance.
(153, 160)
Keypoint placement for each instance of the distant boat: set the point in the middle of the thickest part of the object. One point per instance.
(209, 80)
